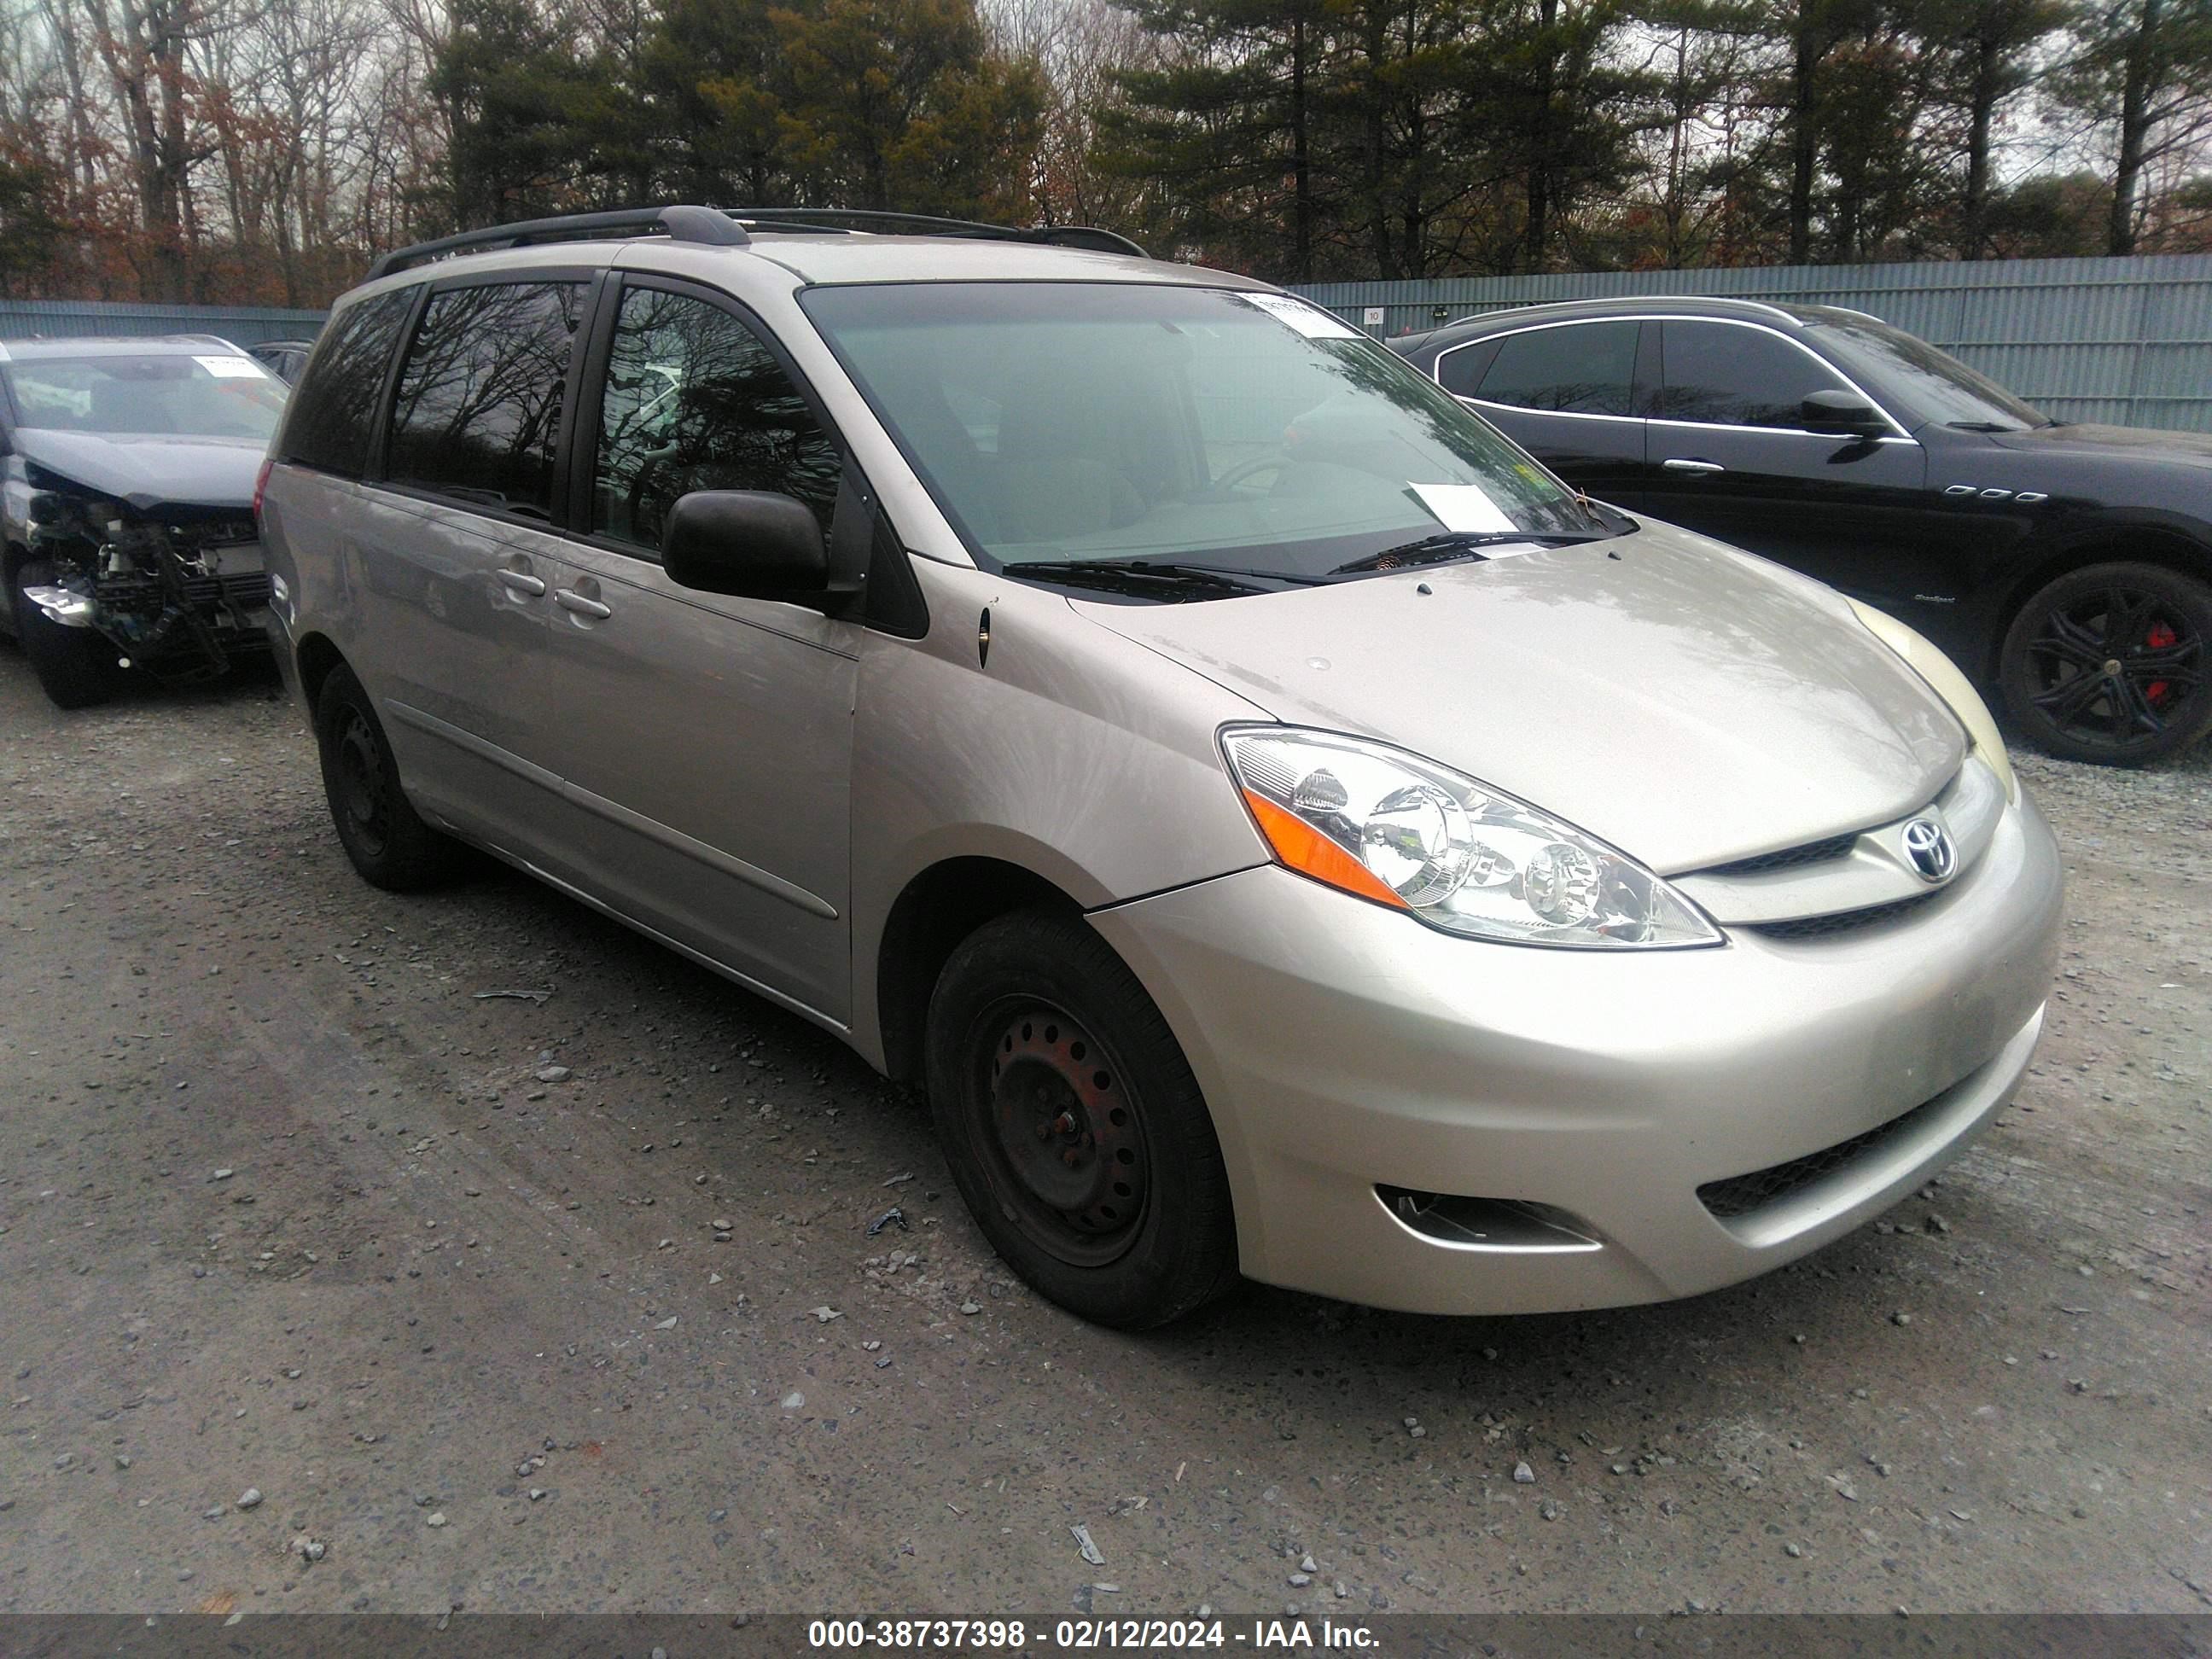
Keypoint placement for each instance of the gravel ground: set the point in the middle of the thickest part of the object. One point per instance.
(326, 1284)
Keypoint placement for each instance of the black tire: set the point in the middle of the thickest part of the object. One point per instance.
(389, 844)
(1073, 1126)
(73, 665)
(2111, 664)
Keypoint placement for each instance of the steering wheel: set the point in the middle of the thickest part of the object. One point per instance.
(1278, 462)
(650, 466)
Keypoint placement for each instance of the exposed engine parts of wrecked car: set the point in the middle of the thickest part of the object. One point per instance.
(178, 596)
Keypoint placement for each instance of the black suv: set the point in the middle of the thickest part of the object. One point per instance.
(2071, 566)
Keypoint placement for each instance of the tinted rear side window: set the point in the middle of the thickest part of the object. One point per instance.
(1731, 376)
(334, 410)
(478, 410)
(1459, 370)
(1586, 368)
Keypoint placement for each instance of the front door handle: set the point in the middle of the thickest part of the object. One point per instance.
(522, 582)
(1701, 468)
(568, 600)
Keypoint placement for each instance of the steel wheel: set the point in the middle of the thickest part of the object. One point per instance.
(1069, 1162)
(362, 794)
(382, 834)
(1073, 1125)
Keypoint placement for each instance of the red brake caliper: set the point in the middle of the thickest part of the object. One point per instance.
(2160, 636)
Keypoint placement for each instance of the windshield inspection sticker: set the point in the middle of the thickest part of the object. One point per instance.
(231, 368)
(1309, 321)
(1461, 507)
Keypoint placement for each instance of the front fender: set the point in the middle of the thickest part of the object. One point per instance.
(1066, 752)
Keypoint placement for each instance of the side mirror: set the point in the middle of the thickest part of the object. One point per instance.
(749, 543)
(1842, 412)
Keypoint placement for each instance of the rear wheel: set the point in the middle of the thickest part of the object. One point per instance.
(73, 663)
(1073, 1126)
(387, 841)
(2112, 664)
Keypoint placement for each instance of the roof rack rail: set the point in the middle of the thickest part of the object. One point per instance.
(685, 224)
(1098, 241)
(725, 227)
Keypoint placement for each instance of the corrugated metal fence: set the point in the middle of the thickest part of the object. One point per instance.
(2127, 341)
(241, 325)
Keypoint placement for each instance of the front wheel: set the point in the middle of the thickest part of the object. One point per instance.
(72, 663)
(2111, 664)
(1073, 1126)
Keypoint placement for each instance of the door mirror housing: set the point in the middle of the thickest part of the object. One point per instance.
(753, 543)
(1843, 412)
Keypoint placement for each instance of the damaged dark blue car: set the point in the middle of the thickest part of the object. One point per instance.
(127, 471)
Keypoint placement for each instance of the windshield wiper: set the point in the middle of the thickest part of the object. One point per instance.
(1980, 426)
(1136, 576)
(1458, 543)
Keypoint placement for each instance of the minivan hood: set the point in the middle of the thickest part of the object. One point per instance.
(146, 473)
(1687, 703)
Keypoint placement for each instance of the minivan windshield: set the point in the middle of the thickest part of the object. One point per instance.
(1936, 386)
(210, 394)
(1194, 427)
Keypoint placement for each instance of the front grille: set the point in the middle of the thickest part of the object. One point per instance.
(214, 533)
(249, 589)
(1789, 858)
(1739, 1195)
(1842, 922)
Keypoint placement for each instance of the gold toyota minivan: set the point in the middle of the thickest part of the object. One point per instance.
(1285, 831)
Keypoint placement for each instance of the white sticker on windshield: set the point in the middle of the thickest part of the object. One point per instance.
(1461, 507)
(231, 368)
(1309, 321)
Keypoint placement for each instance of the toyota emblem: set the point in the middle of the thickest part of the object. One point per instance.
(1929, 845)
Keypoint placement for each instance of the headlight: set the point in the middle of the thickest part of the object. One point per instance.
(1404, 832)
(1945, 680)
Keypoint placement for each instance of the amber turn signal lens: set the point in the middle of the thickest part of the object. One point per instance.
(1298, 845)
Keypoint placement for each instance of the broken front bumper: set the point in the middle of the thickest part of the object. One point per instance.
(190, 618)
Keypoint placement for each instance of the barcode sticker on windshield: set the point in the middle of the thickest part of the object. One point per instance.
(231, 368)
(1462, 507)
(1309, 321)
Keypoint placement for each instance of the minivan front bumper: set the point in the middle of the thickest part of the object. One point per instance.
(1349, 1053)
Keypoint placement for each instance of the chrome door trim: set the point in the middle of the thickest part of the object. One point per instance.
(1554, 414)
(1897, 434)
(1791, 431)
